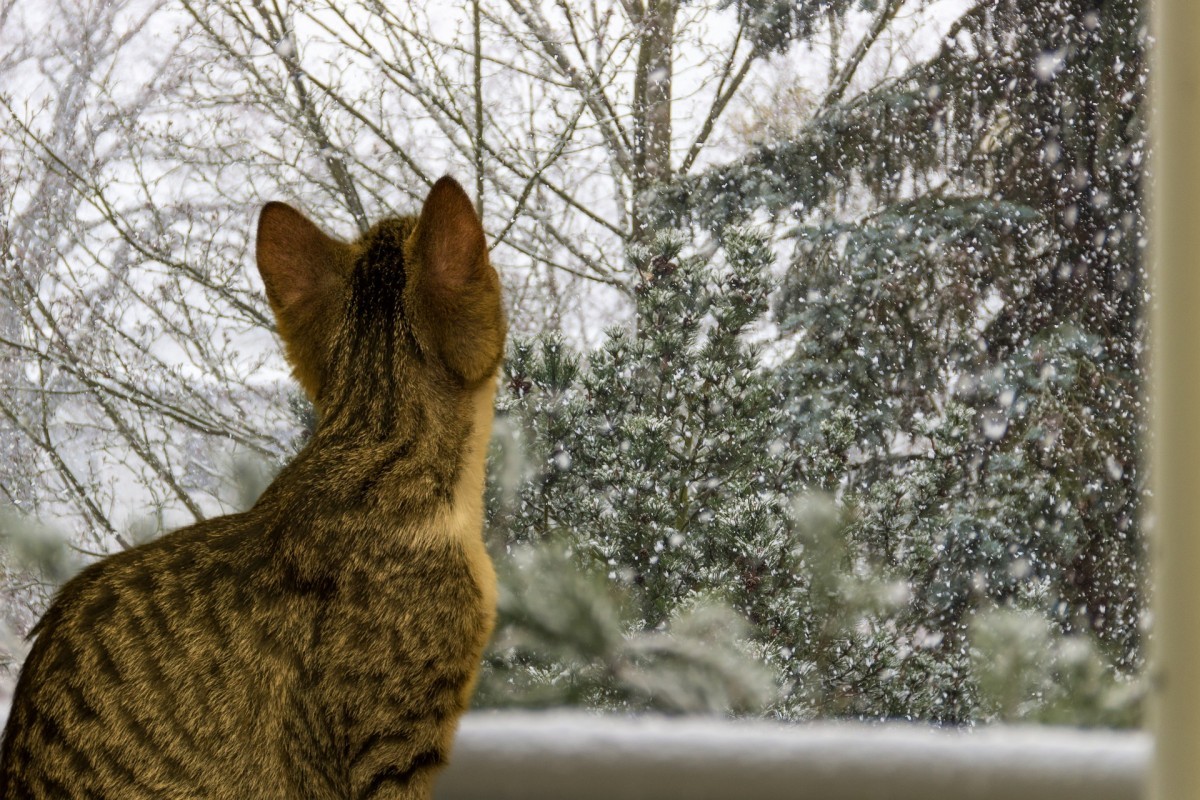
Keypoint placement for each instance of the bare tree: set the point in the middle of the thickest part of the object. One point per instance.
(123, 388)
(567, 115)
(139, 137)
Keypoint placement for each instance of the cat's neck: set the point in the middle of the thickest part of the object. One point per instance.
(416, 468)
(466, 504)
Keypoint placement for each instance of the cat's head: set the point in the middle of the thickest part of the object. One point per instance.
(413, 293)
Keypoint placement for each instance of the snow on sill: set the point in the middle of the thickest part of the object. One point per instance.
(558, 755)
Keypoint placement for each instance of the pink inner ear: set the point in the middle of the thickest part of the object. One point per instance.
(451, 240)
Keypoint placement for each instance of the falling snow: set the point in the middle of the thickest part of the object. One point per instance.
(825, 388)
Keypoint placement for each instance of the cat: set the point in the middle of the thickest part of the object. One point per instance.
(324, 643)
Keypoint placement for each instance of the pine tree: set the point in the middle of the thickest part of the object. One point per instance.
(568, 636)
(658, 457)
(967, 284)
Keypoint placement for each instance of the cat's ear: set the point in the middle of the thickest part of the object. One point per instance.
(295, 258)
(303, 270)
(449, 239)
(457, 292)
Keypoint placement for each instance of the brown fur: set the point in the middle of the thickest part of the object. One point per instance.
(324, 643)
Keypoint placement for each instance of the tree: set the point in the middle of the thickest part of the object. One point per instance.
(568, 636)
(664, 461)
(984, 253)
(656, 459)
(568, 115)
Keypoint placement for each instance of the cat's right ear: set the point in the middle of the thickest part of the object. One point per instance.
(456, 310)
(296, 259)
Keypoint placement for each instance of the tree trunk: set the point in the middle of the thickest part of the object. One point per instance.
(652, 108)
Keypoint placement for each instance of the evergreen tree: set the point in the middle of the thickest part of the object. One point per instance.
(658, 457)
(968, 281)
(663, 462)
(568, 636)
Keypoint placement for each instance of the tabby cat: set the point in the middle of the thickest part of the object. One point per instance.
(324, 643)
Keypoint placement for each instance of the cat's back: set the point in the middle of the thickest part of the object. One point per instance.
(248, 657)
(400, 644)
(136, 682)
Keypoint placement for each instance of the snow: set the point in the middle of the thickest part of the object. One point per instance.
(965, 471)
(557, 755)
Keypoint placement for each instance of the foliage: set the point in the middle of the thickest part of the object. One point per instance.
(1029, 671)
(968, 278)
(566, 636)
(661, 460)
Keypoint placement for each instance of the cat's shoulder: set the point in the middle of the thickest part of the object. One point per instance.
(228, 545)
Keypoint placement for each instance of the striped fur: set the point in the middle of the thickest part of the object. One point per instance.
(324, 643)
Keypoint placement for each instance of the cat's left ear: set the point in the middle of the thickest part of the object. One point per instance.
(295, 258)
(455, 291)
(303, 269)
